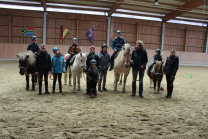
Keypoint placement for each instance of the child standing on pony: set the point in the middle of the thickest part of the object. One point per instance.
(157, 57)
(58, 67)
(92, 78)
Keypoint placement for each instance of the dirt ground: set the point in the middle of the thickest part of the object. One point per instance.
(25, 114)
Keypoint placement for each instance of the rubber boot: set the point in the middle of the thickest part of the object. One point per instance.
(60, 90)
(40, 91)
(99, 88)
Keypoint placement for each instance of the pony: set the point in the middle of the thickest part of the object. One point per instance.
(121, 75)
(156, 75)
(68, 71)
(122, 66)
(27, 66)
(77, 68)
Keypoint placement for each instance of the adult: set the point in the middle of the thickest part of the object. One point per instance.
(117, 44)
(43, 66)
(138, 60)
(170, 69)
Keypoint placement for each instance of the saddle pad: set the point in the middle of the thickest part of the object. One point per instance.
(72, 59)
(65, 58)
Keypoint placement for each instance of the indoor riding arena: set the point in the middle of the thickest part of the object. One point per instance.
(161, 24)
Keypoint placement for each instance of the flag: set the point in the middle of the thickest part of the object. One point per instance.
(91, 34)
(27, 31)
(63, 33)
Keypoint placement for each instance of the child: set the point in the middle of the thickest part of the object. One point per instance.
(58, 67)
(157, 57)
(91, 55)
(92, 78)
(104, 62)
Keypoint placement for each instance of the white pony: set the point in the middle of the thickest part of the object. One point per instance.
(77, 68)
(68, 71)
(122, 66)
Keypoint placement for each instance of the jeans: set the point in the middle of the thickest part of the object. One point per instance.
(102, 76)
(170, 81)
(41, 74)
(141, 76)
(59, 75)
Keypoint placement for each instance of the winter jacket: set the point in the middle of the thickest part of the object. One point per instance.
(94, 74)
(139, 58)
(91, 56)
(34, 47)
(117, 43)
(43, 61)
(57, 64)
(104, 60)
(171, 65)
(74, 49)
(157, 58)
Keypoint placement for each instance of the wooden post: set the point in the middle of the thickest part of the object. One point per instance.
(77, 28)
(137, 31)
(10, 28)
(186, 38)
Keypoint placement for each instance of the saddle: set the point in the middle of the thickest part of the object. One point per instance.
(117, 53)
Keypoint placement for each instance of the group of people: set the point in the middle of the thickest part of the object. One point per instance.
(98, 65)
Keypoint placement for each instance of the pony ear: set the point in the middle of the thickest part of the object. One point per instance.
(17, 56)
(162, 62)
(154, 62)
(81, 54)
(27, 56)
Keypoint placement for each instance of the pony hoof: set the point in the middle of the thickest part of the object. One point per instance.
(115, 90)
(120, 83)
(79, 89)
(33, 89)
(124, 92)
(65, 84)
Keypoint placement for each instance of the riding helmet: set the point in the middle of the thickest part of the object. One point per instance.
(93, 61)
(74, 40)
(34, 38)
(118, 32)
(104, 45)
(55, 49)
(158, 50)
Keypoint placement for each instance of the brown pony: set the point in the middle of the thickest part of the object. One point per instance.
(156, 75)
(27, 66)
(122, 66)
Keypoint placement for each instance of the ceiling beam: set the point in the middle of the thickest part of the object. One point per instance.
(43, 3)
(115, 6)
(183, 9)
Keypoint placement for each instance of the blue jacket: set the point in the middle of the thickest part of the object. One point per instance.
(104, 60)
(57, 64)
(43, 62)
(139, 58)
(157, 58)
(34, 47)
(118, 43)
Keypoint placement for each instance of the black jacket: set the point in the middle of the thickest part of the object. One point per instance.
(43, 62)
(139, 58)
(171, 65)
(92, 74)
(34, 47)
(90, 57)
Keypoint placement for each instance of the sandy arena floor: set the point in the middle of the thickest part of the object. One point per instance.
(25, 114)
